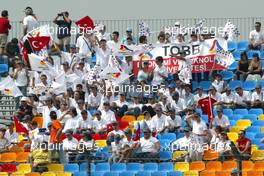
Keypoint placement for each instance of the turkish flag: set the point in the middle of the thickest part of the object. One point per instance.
(20, 128)
(24, 52)
(85, 24)
(206, 105)
(39, 42)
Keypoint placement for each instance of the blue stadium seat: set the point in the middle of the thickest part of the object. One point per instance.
(205, 85)
(205, 118)
(127, 173)
(101, 156)
(241, 111)
(231, 45)
(175, 173)
(228, 112)
(102, 167)
(251, 117)
(233, 84)
(199, 111)
(94, 59)
(256, 111)
(261, 147)
(259, 135)
(242, 45)
(227, 75)
(143, 173)
(232, 123)
(261, 82)
(250, 135)
(169, 136)
(134, 167)
(256, 142)
(250, 54)
(235, 117)
(98, 173)
(180, 135)
(261, 55)
(3, 69)
(83, 167)
(111, 174)
(150, 167)
(253, 129)
(164, 144)
(159, 173)
(71, 168)
(165, 167)
(118, 167)
(165, 155)
(105, 149)
(195, 85)
(80, 173)
(249, 85)
(258, 123)
(233, 66)
(236, 55)
(262, 64)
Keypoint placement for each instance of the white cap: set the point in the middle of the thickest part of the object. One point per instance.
(24, 99)
(177, 23)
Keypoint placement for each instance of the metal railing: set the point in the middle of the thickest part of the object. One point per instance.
(245, 25)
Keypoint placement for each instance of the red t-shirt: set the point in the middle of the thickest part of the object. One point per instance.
(4, 25)
(242, 144)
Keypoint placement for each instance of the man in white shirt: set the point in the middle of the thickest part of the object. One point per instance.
(174, 122)
(242, 98)
(72, 123)
(178, 104)
(102, 54)
(228, 98)
(256, 37)
(94, 99)
(30, 21)
(257, 99)
(107, 114)
(114, 44)
(200, 95)
(190, 144)
(148, 146)
(84, 123)
(46, 109)
(70, 146)
(100, 125)
(10, 134)
(159, 121)
(160, 72)
(85, 45)
(221, 119)
(116, 130)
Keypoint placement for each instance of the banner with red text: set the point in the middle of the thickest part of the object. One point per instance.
(202, 55)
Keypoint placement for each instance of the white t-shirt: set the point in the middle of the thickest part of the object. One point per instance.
(21, 79)
(113, 46)
(84, 49)
(85, 124)
(199, 128)
(228, 98)
(245, 97)
(255, 96)
(94, 100)
(30, 22)
(148, 145)
(12, 138)
(70, 144)
(219, 86)
(178, 106)
(98, 125)
(108, 116)
(46, 115)
(197, 97)
(159, 123)
(157, 79)
(102, 57)
(174, 123)
(114, 132)
(223, 122)
(256, 36)
(72, 123)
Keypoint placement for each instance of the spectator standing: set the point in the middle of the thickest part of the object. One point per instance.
(30, 21)
(64, 30)
(256, 37)
(4, 28)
